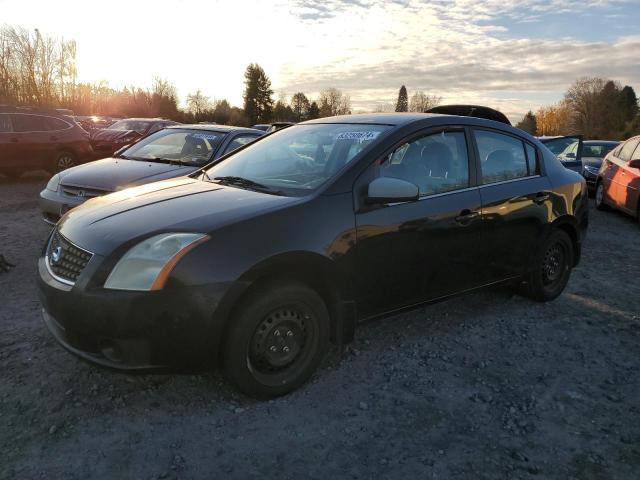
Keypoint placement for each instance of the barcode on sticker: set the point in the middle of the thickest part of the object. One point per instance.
(357, 135)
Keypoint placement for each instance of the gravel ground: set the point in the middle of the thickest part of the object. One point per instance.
(486, 386)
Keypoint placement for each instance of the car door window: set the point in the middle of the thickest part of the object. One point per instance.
(502, 157)
(239, 141)
(54, 124)
(28, 123)
(628, 148)
(5, 123)
(436, 163)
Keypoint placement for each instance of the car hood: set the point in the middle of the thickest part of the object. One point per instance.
(108, 135)
(111, 174)
(102, 224)
(592, 161)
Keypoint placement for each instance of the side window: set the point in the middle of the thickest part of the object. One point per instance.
(239, 141)
(532, 159)
(436, 163)
(5, 123)
(502, 157)
(52, 123)
(627, 149)
(28, 123)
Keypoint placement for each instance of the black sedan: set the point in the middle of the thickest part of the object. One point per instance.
(257, 262)
(169, 153)
(593, 152)
(107, 141)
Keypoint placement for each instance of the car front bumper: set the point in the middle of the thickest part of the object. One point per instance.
(55, 204)
(132, 330)
(590, 178)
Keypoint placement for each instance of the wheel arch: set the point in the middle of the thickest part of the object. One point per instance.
(572, 227)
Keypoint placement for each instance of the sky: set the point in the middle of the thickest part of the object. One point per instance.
(512, 55)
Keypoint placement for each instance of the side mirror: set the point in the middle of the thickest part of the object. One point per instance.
(390, 190)
(634, 163)
(570, 155)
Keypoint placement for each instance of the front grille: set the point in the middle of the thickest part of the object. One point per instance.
(82, 192)
(65, 260)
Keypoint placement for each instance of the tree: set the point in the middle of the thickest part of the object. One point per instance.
(300, 106)
(333, 102)
(314, 111)
(421, 102)
(554, 120)
(258, 101)
(221, 111)
(197, 103)
(528, 123)
(628, 103)
(402, 105)
(584, 100)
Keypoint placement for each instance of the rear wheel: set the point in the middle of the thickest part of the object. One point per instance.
(276, 340)
(63, 161)
(552, 268)
(599, 197)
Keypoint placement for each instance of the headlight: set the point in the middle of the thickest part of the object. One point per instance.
(147, 265)
(53, 183)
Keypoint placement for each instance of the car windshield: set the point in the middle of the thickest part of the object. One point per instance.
(139, 126)
(188, 147)
(564, 148)
(297, 159)
(597, 150)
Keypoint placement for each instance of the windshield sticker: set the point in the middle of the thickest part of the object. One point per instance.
(357, 135)
(205, 136)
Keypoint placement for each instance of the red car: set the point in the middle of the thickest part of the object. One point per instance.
(39, 139)
(618, 183)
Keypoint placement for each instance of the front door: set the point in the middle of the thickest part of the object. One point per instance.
(516, 202)
(414, 251)
(622, 175)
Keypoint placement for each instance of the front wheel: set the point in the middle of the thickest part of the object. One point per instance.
(276, 340)
(599, 198)
(552, 268)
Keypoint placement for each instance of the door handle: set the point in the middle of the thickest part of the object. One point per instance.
(541, 197)
(466, 216)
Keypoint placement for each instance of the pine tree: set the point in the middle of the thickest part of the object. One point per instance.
(314, 111)
(628, 103)
(528, 123)
(258, 101)
(403, 100)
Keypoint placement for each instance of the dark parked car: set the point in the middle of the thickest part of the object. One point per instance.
(618, 182)
(172, 152)
(107, 141)
(258, 261)
(37, 139)
(94, 122)
(593, 152)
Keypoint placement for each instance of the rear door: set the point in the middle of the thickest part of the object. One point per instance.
(414, 251)
(516, 201)
(32, 144)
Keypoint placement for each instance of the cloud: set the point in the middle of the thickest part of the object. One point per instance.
(455, 49)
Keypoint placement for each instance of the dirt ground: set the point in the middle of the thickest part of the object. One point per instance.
(488, 386)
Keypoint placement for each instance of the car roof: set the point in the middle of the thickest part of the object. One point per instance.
(216, 128)
(148, 120)
(395, 119)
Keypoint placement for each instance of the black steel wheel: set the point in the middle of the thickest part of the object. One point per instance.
(276, 340)
(552, 267)
(63, 161)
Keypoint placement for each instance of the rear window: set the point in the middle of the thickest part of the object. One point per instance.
(502, 157)
(628, 148)
(597, 151)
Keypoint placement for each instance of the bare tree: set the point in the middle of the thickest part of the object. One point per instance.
(197, 103)
(333, 102)
(421, 102)
(583, 97)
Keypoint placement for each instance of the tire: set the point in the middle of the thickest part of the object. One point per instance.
(599, 197)
(552, 268)
(276, 340)
(63, 161)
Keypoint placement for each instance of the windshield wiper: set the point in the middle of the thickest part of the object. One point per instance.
(246, 183)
